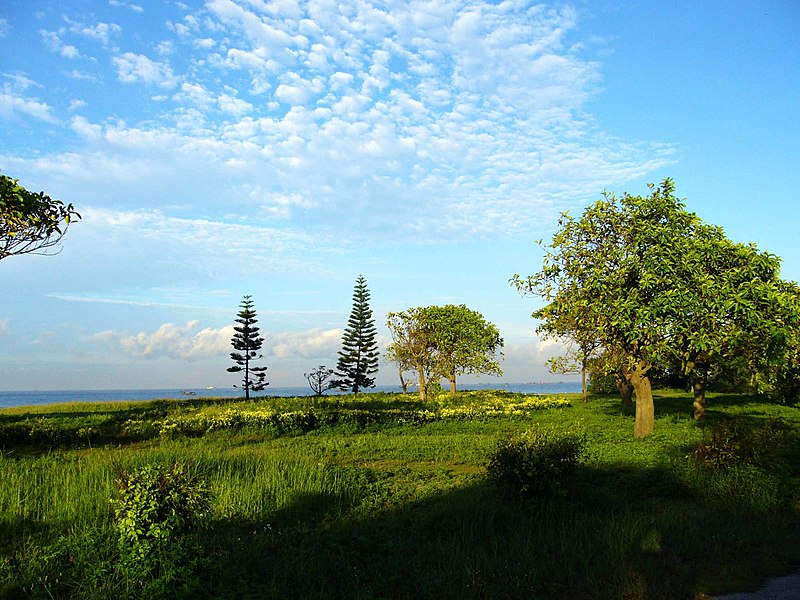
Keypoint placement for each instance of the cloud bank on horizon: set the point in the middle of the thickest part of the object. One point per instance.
(237, 145)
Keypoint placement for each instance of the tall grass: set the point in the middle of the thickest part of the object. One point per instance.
(400, 509)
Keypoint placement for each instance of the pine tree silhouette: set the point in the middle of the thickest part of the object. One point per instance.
(358, 358)
(247, 341)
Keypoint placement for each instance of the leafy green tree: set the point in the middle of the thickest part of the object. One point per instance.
(443, 342)
(413, 347)
(30, 222)
(358, 358)
(465, 342)
(653, 284)
(247, 342)
(783, 372)
(319, 380)
(403, 366)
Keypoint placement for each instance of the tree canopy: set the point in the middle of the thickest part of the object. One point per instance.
(443, 342)
(649, 283)
(30, 222)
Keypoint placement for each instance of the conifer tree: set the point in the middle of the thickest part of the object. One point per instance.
(247, 342)
(358, 358)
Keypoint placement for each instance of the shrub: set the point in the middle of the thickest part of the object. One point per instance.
(535, 463)
(156, 512)
(734, 442)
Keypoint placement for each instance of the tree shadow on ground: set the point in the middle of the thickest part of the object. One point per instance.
(679, 405)
(620, 532)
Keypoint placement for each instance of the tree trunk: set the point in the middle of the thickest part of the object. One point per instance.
(403, 382)
(583, 379)
(699, 379)
(625, 390)
(645, 409)
(452, 379)
(423, 385)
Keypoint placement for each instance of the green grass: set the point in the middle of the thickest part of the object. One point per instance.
(378, 496)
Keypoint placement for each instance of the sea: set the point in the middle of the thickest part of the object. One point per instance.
(33, 398)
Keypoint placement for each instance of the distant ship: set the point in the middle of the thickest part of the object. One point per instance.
(210, 387)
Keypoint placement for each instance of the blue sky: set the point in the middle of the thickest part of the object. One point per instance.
(280, 149)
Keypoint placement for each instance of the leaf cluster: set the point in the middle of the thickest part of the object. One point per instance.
(30, 222)
(157, 509)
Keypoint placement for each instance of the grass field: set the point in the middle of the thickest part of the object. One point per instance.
(379, 496)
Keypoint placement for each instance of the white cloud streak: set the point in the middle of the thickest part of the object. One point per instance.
(190, 342)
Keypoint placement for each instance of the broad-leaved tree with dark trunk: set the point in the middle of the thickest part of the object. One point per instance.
(443, 342)
(466, 343)
(652, 284)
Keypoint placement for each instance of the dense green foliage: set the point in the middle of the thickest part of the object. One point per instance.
(358, 358)
(157, 509)
(466, 342)
(443, 342)
(30, 222)
(535, 462)
(247, 342)
(644, 283)
(304, 493)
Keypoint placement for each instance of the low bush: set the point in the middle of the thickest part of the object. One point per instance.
(734, 442)
(535, 462)
(156, 513)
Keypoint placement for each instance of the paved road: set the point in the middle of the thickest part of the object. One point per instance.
(777, 588)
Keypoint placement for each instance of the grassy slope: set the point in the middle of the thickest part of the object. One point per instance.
(393, 511)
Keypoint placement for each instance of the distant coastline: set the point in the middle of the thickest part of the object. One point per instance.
(24, 398)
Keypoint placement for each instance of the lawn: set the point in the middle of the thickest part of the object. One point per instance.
(380, 496)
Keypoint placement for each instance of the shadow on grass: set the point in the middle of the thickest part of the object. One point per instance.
(678, 404)
(620, 533)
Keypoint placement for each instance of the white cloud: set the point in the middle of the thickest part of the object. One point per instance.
(69, 52)
(101, 32)
(166, 250)
(401, 116)
(4, 27)
(315, 343)
(13, 103)
(205, 43)
(53, 41)
(3, 326)
(233, 106)
(18, 83)
(134, 7)
(165, 48)
(190, 342)
(77, 74)
(195, 94)
(134, 68)
(187, 342)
